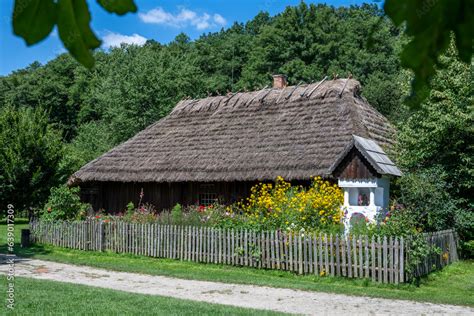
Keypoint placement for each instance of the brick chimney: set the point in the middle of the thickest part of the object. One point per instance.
(279, 81)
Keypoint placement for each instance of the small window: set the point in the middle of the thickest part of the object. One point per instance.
(90, 195)
(363, 198)
(207, 195)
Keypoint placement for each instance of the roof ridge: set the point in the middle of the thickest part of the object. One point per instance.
(346, 86)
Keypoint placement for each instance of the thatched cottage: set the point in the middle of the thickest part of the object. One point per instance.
(218, 147)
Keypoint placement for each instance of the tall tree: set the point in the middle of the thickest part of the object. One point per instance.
(31, 152)
(441, 134)
(307, 42)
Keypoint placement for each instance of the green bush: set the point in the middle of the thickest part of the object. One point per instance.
(398, 222)
(31, 151)
(177, 214)
(467, 249)
(130, 210)
(64, 204)
(425, 194)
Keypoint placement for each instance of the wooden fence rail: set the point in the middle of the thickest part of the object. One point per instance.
(379, 259)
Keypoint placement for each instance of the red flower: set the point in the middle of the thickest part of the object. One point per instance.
(201, 208)
(97, 216)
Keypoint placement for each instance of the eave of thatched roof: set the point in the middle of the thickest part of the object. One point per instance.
(294, 132)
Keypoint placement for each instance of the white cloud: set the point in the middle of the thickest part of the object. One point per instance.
(115, 39)
(183, 18)
(60, 50)
(219, 19)
(157, 16)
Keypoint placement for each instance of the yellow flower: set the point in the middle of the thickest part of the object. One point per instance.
(321, 201)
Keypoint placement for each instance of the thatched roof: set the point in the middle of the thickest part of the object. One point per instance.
(295, 132)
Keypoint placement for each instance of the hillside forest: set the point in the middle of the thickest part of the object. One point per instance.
(56, 117)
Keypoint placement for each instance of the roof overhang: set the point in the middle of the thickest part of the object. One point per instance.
(373, 153)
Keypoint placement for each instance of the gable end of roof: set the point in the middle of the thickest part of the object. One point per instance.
(371, 151)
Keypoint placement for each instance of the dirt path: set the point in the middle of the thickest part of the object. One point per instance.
(260, 297)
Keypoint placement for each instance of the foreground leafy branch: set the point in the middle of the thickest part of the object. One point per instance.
(431, 24)
(33, 20)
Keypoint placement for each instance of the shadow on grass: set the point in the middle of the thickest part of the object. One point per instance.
(27, 252)
(18, 221)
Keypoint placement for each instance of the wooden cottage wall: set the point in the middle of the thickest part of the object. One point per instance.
(113, 197)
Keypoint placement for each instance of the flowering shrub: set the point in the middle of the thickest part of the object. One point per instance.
(145, 213)
(282, 206)
(64, 204)
(222, 216)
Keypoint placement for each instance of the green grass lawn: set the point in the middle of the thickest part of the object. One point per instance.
(452, 285)
(19, 225)
(40, 297)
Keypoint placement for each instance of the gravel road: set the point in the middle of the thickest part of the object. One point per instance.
(260, 297)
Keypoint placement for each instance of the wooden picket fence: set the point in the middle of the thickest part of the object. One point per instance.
(446, 243)
(379, 259)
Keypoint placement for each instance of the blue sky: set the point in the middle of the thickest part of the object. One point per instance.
(160, 20)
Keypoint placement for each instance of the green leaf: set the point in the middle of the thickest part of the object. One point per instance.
(430, 25)
(75, 32)
(33, 20)
(119, 7)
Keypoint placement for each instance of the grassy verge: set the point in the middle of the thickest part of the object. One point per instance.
(33, 297)
(452, 285)
(3, 233)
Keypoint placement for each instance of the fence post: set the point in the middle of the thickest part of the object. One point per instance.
(101, 236)
(300, 255)
(402, 261)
